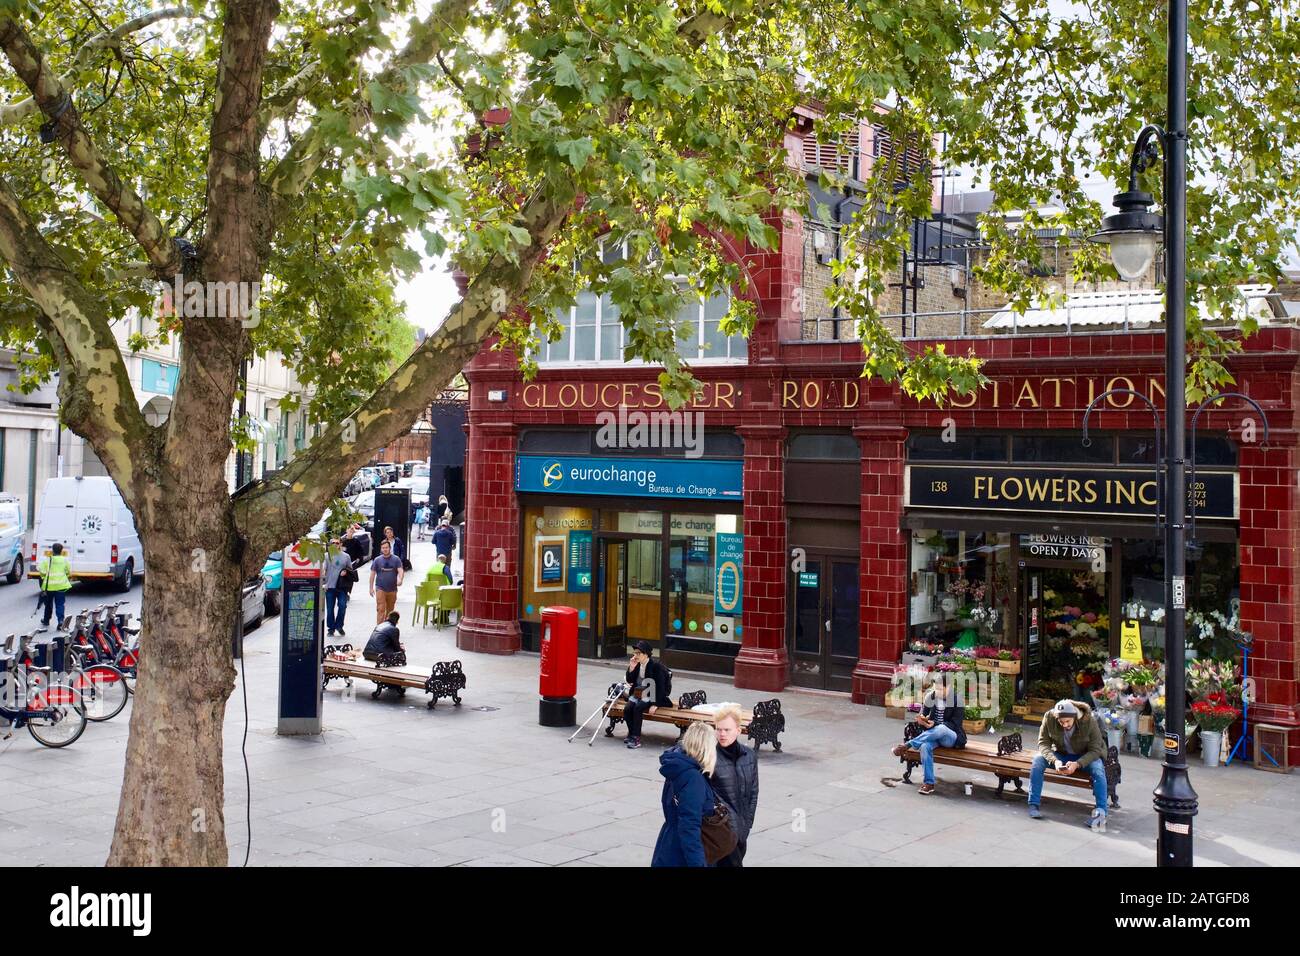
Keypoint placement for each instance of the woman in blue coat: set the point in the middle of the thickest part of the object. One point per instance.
(687, 798)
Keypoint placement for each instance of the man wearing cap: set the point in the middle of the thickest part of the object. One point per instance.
(1069, 739)
(651, 684)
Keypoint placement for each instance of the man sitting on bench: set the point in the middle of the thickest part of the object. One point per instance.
(653, 681)
(384, 639)
(941, 716)
(1070, 739)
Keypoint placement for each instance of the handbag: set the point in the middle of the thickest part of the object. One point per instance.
(716, 832)
(406, 564)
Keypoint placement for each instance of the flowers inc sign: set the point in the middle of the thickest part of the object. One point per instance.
(1117, 492)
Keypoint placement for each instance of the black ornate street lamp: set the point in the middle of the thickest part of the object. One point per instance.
(1132, 234)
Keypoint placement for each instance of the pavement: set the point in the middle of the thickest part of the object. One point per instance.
(392, 783)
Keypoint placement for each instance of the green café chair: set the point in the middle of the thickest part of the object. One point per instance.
(426, 601)
(449, 599)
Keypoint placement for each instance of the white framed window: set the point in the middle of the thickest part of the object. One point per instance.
(593, 332)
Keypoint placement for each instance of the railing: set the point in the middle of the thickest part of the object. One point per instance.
(1105, 317)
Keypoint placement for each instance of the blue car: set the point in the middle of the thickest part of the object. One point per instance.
(271, 574)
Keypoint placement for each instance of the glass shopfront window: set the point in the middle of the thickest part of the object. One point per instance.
(1213, 586)
(558, 560)
(705, 559)
(960, 588)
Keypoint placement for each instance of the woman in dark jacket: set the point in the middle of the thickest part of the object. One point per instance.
(687, 798)
(735, 779)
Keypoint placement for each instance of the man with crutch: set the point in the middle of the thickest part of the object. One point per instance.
(651, 684)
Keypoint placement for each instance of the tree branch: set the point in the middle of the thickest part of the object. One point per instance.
(13, 113)
(231, 252)
(96, 171)
(95, 392)
(272, 513)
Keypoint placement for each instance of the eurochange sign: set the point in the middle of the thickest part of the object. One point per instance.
(708, 479)
(1112, 492)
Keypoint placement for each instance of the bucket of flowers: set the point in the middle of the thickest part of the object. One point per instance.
(1114, 722)
(1213, 715)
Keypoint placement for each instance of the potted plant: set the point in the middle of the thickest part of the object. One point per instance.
(975, 721)
(1212, 718)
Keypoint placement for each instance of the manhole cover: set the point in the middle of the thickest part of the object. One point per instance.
(485, 709)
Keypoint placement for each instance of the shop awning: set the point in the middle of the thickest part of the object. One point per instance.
(1139, 309)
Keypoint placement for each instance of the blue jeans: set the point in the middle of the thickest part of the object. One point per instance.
(925, 742)
(53, 600)
(1096, 769)
(336, 607)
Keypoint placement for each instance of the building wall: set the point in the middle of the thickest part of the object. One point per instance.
(1041, 383)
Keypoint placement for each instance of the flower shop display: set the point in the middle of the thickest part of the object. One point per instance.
(1212, 718)
(1213, 634)
(1000, 660)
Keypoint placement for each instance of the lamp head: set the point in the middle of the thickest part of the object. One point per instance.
(1133, 234)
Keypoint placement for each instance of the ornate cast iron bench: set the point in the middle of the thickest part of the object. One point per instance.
(447, 678)
(1007, 760)
(763, 725)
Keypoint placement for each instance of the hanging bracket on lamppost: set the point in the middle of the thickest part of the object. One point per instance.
(1160, 458)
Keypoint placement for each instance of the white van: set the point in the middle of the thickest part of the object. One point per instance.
(92, 522)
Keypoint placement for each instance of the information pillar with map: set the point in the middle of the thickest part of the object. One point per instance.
(301, 653)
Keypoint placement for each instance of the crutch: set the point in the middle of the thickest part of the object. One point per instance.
(612, 696)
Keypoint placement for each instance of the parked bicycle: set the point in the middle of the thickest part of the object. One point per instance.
(101, 637)
(52, 711)
(102, 686)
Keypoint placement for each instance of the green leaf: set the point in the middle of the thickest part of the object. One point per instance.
(566, 74)
(576, 151)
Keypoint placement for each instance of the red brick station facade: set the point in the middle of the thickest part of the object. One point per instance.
(843, 485)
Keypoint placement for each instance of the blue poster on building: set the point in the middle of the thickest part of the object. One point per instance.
(711, 479)
(728, 579)
(579, 561)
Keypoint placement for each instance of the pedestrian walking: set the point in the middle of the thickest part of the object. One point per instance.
(398, 546)
(340, 575)
(54, 571)
(386, 574)
(735, 779)
(444, 539)
(687, 799)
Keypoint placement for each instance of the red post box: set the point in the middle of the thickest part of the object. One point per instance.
(558, 681)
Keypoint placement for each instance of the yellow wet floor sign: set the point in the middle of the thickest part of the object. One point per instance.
(1130, 642)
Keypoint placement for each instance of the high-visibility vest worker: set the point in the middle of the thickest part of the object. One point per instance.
(54, 570)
